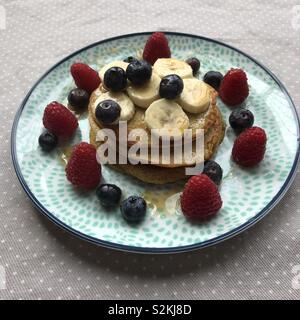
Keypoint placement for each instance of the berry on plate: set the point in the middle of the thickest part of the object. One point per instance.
(249, 147)
(170, 86)
(109, 194)
(78, 98)
(241, 119)
(157, 46)
(108, 111)
(213, 78)
(47, 141)
(200, 198)
(133, 209)
(234, 87)
(139, 72)
(213, 170)
(85, 77)
(194, 63)
(115, 79)
(83, 170)
(59, 120)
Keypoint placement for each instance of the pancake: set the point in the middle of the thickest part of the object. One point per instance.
(161, 175)
(207, 118)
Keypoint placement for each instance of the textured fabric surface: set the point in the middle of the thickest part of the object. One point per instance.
(43, 262)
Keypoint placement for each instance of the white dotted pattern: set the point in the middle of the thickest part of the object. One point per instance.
(44, 262)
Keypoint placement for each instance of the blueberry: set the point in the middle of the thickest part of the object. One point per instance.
(133, 209)
(108, 111)
(78, 98)
(213, 78)
(213, 171)
(130, 59)
(115, 79)
(194, 63)
(171, 86)
(109, 194)
(241, 119)
(139, 72)
(48, 141)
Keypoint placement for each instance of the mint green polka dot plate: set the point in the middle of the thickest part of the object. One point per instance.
(247, 195)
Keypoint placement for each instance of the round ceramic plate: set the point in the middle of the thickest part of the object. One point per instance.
(247, 195)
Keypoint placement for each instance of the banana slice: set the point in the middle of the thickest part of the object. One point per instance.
(195, 97)
(127, 107)
(168, 115)
(166, 66)
(144, 95)
(118, 63)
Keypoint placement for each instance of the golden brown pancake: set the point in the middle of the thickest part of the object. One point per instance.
(210, 121)
(161, 175)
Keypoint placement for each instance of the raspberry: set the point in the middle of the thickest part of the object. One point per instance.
(156, 47)
(85, 77)
(200, 198)
(82, 169)
(250, 146)
(59, 120)
(234, 87)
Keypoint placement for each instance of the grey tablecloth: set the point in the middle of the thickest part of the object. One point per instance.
(43, 262)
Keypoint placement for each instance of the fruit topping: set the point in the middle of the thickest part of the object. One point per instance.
(167, 115)
(78, 98)
(139, 72)
(59, 120)
(171, 86)
(200, 198)
(213, 78)
(85, 77)
(194, 63)
(83, 170)
(133, 209)
(241, 119)
(109, 195)
(108, 111)
(115, 79)
(249, 147)
(234, 87)
(195, 97)
(47, 141)
(166, 66)
(144, 95)
(156, 47)
(213, 170)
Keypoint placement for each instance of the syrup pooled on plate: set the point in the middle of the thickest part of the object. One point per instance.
(65, 154)
(163, 200)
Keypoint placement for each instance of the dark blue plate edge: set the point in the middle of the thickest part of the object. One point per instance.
(150, 250)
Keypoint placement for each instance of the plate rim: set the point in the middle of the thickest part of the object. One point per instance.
(154, 250)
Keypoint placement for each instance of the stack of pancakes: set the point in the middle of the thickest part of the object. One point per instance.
(159, 172)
